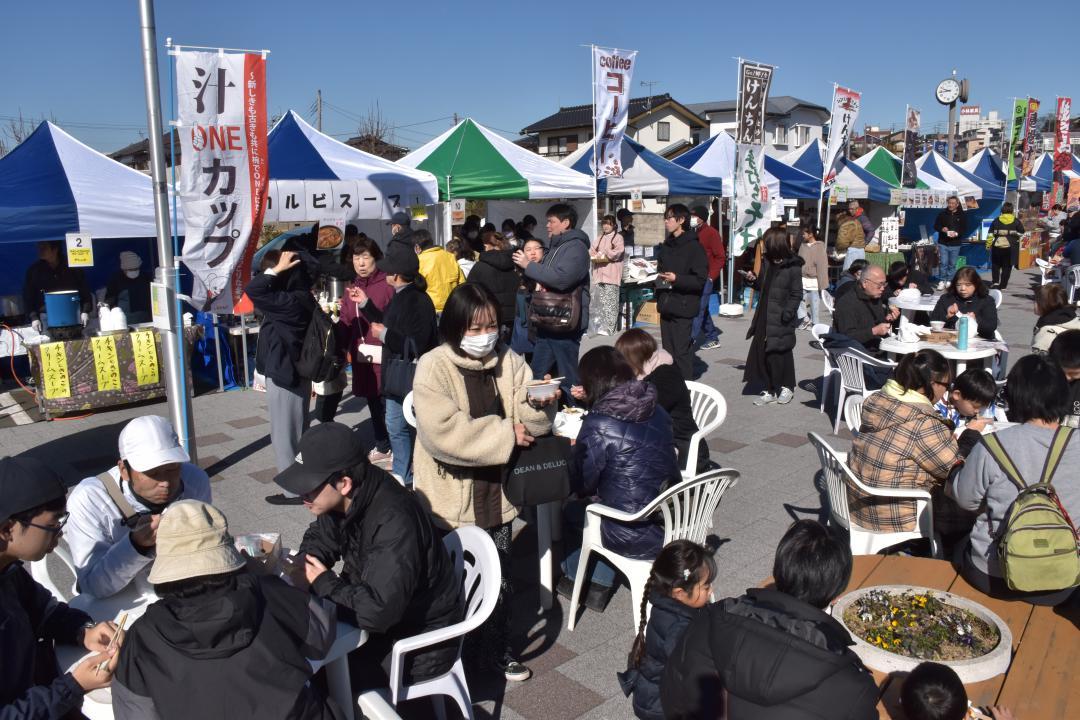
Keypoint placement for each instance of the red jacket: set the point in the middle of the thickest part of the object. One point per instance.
(709, 238)
(354, 328)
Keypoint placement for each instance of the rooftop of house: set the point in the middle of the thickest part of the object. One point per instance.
(576, 116)
(776, 106)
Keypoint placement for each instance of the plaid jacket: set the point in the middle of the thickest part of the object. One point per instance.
(900, 445)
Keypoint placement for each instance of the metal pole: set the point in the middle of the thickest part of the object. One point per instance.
(952, 121)
(217, 353)
(172, 347)
(318, 109)
(734, 185)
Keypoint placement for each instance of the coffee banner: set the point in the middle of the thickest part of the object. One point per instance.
(613, 72)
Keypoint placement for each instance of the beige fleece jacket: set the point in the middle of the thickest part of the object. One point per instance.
(451, 443)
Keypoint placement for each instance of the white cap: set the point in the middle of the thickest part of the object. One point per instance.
(130, 261)
(149, 442)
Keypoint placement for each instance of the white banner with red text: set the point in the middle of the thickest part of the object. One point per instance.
(845, 111)
(223, 180)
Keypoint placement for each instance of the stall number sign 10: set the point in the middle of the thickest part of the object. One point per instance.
(80, 250)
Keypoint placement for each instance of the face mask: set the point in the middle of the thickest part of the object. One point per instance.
(132, 273)
(479, 346)
(695, 221)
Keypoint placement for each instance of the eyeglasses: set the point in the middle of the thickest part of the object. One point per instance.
(875, 283)
(54, 529)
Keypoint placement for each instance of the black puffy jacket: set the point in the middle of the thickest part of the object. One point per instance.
(286, 304)
(494, 269)
(625, 454)
(955, 221)
(398, 579)
(986, 317)
(777, 313)
(773, 657)
(673, 395)
(684, 256)
(667, 622)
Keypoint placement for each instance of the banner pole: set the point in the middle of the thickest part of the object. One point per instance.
(172, 339)
(734, 186)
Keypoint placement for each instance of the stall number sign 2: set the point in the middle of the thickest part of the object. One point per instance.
(80, 250)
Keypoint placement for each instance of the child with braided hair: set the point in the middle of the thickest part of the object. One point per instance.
(678, 585)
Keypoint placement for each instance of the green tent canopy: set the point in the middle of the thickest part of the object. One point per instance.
(888, 167)
(470, 161)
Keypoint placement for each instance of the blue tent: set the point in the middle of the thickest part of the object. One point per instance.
(647, 171)
(936, 164)
(716, 158)
(807, 159)
(861, 184)
(794, 183)
(986, 165)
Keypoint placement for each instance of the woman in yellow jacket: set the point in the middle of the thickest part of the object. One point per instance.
(439, 268)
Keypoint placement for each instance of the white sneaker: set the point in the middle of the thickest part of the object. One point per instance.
(786, 395)
(765, 398)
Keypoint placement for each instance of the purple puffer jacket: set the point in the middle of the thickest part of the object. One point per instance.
(625, 454)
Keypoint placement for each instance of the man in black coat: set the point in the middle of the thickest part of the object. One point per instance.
(683, 270)
(863, 314)
(282, 294)
(401, 234)
(774, 653)
(398, 580)
(951, 227)
(405, 327)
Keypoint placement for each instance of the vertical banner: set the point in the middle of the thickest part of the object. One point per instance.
(845, 111)
(224, 176)
(1031, 137)
(613, 72)
(911, 134)
(753, 215)
(1062, 152)
(1019, 116)
(754, 81)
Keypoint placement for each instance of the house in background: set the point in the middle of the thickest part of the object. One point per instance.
(790, 123)
(659, 122)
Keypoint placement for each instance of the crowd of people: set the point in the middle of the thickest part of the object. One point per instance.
(443, 344)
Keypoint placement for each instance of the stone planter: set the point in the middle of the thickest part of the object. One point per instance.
(994, 663)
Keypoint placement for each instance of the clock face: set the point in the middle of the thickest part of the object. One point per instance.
(948, 91)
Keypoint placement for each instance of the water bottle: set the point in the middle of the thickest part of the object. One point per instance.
(962, 333)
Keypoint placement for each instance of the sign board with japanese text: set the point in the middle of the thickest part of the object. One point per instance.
(753, 212)
(613, 72)
(754, 82)
(1032, 139)
(457, 211)
(845, 111)
(80, 250)
(318, 200)
(1015, 133)
(911, 134)
(224, 177)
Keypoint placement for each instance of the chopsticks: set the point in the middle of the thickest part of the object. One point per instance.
(112, 643)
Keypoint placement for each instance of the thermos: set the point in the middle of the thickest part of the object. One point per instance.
(962, 333)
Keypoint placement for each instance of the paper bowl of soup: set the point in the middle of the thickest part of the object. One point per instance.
(541, 389)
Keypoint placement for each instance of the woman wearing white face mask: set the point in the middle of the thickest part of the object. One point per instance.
(607, 266)
(471, 412)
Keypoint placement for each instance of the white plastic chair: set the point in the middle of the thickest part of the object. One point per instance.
(407, 410)
(481, 577)
(839, 480)
(39, 570)
(375, 704)
(830, 368)
(852, 379)
(996, 294)
(827, 300)
(709, 409)
(1050, 272)
(1074, 282)
(853, 412)
(687, 509)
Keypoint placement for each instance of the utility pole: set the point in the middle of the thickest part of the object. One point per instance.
(455, 120)
(318, 110)
(180, 410)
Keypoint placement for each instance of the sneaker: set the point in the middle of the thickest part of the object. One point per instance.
(806, 324)
(513, 670)
(711, 345)
(765, 398)
(785, 396)
(283, 499)
(377, 456)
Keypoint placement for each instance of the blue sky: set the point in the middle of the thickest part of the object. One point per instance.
(510, 63)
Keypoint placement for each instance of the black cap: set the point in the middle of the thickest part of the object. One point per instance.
(700, 211)
(325, 449)
(399, 218)
(26, 483)
(399, 262)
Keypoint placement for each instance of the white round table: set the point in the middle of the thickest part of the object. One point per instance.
(924, 303)
(977, 350)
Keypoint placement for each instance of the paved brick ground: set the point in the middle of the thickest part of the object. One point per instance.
(574, 673)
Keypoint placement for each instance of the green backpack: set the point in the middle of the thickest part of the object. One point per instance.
(1037, 545)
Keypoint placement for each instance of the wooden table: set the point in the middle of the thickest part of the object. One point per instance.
(1046, 642)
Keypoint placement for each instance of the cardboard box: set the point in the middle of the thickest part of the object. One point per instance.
(648, 313)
